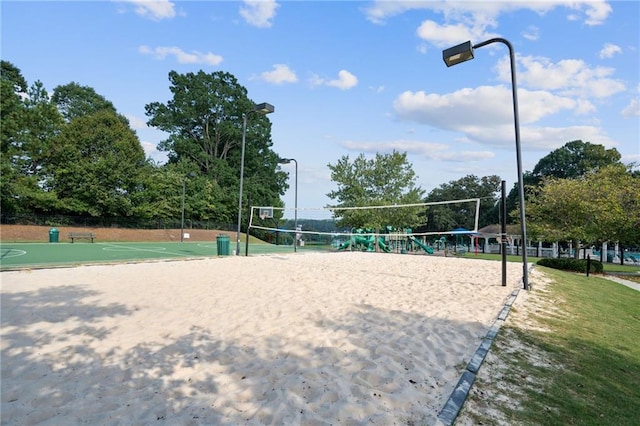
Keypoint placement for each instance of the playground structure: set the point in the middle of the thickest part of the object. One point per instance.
(390, 241)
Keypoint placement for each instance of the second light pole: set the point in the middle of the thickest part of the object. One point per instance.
(263, 108)
(295, 211)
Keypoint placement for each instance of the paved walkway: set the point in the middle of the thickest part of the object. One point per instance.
(630, 284)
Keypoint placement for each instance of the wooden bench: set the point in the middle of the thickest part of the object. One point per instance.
(81, 235)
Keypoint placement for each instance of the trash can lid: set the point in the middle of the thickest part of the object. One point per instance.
(53, 230)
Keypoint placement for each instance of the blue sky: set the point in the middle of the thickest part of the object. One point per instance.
(351, 77)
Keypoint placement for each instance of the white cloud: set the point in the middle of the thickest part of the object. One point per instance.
(259, 13)
(484, 13)
(570, 77)
(483, 106)
(632, 110)
(485, 115)
(535, 138)
(137, 122)
(451, 34)
(632, 158)
(550, 138)
(609, 50)
(195, 57)
(597, 12)
(153, 9)
(281, 74)
(532, 33)
(426, 150)
(345, 80)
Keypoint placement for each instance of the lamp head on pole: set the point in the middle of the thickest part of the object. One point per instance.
(264, 108)
(284, 160)
(456, 54)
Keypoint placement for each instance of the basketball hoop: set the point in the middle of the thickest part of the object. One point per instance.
(266, 213)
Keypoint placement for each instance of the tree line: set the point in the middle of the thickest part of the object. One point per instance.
(72, 153)
(580, 192)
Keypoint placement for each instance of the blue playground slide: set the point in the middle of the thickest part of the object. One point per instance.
(420, 244)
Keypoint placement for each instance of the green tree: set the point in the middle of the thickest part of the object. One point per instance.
(204, 120)
(385, 180)
(29, 121)
(602, 205)
(95, 164)
(41, 123)
(449, 217)
(74, 100)
(160, 193)
(14, 87)
(574, 159)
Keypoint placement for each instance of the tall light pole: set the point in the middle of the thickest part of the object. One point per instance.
(295, 211)
(184, 184)
(464, 52)
(263, 108)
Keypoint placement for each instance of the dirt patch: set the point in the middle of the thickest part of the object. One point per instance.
(32, 233)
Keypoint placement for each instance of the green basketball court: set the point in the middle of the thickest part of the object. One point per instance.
(45, 255)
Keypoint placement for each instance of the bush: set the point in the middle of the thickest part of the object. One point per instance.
(575, 265)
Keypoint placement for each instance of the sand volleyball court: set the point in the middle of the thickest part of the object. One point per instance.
(310, 339)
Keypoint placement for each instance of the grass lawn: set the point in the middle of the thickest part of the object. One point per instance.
(569, 355)
(631, 272)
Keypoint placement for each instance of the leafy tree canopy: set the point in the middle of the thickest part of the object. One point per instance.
(204, 120)
(29, 121)
(385, 180)
(11, 108)
(74, 100)
(449, 217)
(95, 163)
(603, 205)
(573, 160)
(12, 74)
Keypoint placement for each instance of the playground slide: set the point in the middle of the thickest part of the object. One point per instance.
(382, 245)
(366, 242)
(424, 247)
(344, 245)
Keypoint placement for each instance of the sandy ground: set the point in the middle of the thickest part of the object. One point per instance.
(331, 338)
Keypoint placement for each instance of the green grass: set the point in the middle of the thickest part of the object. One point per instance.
(608, 267)
(510, 258)
(590, 346)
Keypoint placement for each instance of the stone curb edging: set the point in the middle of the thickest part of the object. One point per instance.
(452, 408)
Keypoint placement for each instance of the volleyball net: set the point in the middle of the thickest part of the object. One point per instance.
(394, 226)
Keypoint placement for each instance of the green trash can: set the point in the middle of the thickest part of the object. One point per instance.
(223, 245)
(53, 235)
